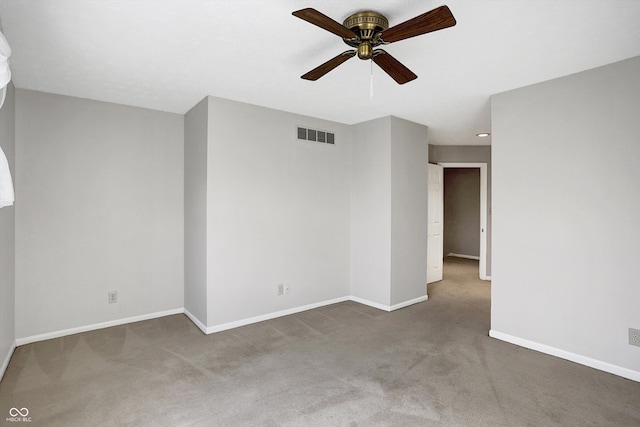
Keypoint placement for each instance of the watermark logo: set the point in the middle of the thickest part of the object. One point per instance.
(18, 415)
(14, 412)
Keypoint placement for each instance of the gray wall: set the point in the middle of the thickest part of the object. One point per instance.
(325, 219)
(566, 244)
(7, 235)
(409, 159)
(469, 154)
(371, 211)
(196, 134)
(100, 208)
(277, 212)
(104, 195)
(462, 211)
(389, 159)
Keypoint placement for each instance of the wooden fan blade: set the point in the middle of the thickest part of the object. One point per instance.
(434, 20)
(323, 21)
(323, 69)
(393, 67)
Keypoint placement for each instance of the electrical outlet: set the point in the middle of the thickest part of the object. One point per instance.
(287, 288)
(280, 289)
(634, 336)
(113, 297)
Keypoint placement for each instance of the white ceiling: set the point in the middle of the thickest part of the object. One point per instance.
(168, 55)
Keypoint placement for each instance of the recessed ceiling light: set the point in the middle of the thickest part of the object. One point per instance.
(482, 135)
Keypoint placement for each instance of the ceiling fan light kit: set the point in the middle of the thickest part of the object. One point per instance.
(365, 31)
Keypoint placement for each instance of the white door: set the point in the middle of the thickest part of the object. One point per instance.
(435, 225)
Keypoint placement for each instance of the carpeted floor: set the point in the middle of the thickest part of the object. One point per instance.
(341, 365)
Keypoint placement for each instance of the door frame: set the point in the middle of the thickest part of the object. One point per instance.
(483, 211)
(435, 258)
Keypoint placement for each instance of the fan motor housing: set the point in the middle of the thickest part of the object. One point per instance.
(367, 26)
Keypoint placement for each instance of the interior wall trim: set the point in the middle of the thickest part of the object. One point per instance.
(206, 329)
(409, 302)
(464, 256)
(388, 308)
(261, 318)
(195, 321)
(484, 203)
(7, 359)
(93, 327)
(370, 303)
(563, 354)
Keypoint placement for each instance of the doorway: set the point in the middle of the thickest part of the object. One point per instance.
(482, 231)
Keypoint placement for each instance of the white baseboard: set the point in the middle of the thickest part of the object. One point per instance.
(388, 307)
(485, 278)
(7, 358)
(202, 326)
(93, 327)
(577, 358)
(195, 321)
(370, 303)
(477, 258)
(269, 316)
(408, 303)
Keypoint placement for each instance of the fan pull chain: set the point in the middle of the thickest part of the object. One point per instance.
(371, 82)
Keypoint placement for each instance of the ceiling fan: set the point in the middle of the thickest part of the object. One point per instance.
(365, 31)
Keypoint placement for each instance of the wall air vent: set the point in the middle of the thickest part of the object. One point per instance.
(314, 135)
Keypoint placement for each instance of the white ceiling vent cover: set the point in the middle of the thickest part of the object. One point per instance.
(315, 135)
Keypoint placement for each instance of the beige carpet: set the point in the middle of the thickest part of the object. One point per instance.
(341, 365)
